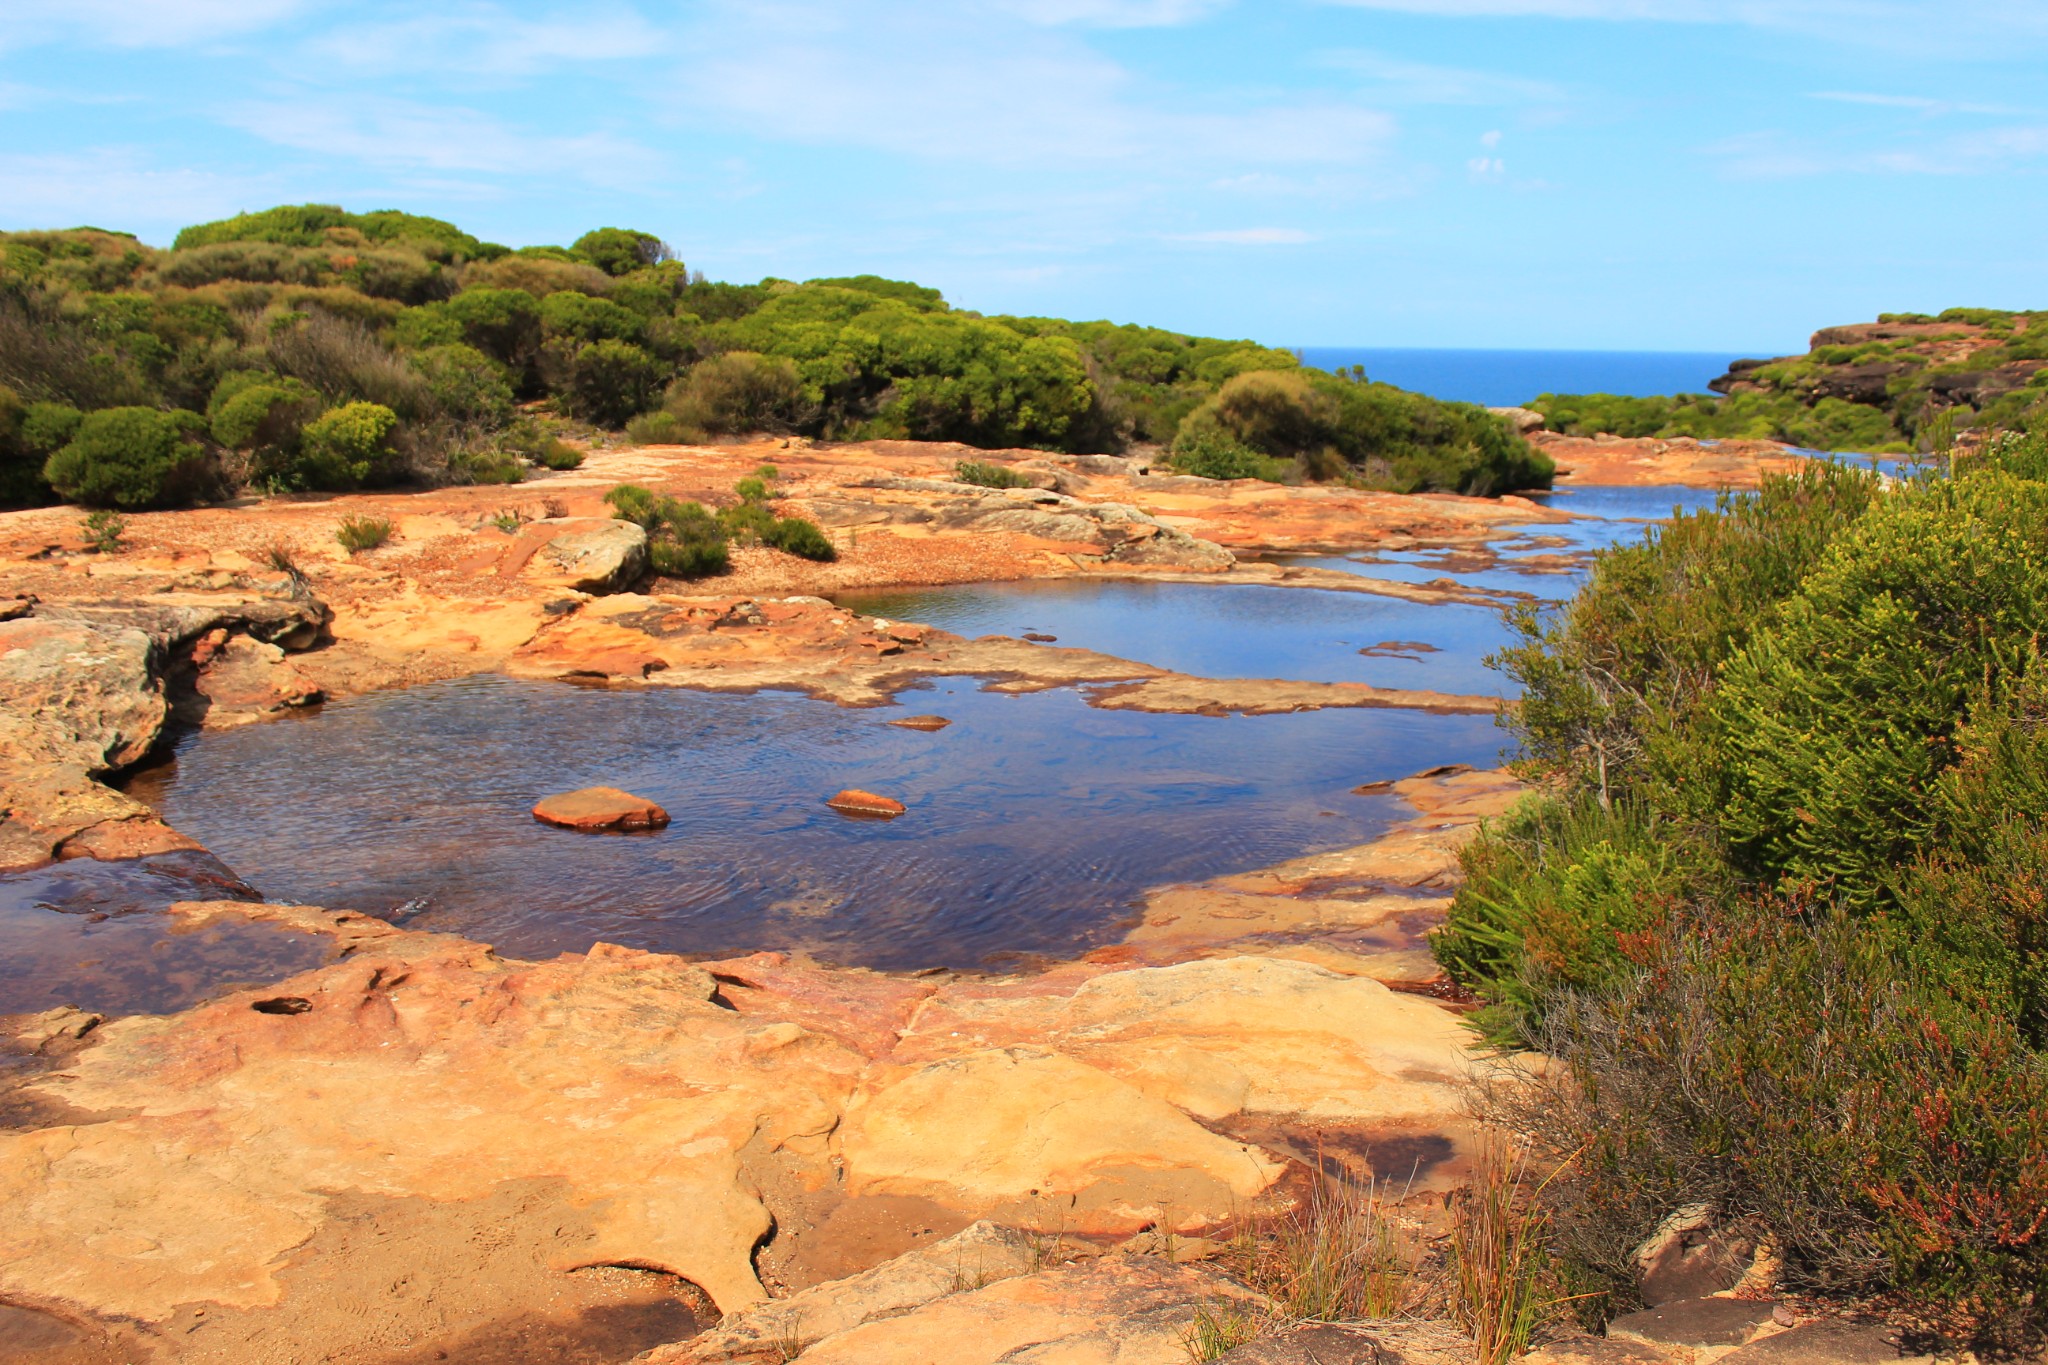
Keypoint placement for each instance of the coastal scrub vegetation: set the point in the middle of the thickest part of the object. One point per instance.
(688, 540)
(309, 348)
(1907, 382)
(1780, 907)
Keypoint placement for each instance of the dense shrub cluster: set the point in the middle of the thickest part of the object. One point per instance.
(1782, 909)
(1825, 424)
(262, 324)
(686, 540)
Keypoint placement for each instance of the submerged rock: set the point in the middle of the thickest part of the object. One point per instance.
(927, 723)
(854, 801)
(595, 809)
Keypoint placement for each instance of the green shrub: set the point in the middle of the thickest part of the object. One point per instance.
(989, 475)
(683, 540)
(466, 384)
(357, 534)
(29, 434)
(1371, 433)
(344, 446)
(584, 319)
(47, 428)
(620, 251)
(658, 428)
(800, 537)
(1209, 454)
(130, 457)
(608, 382)
(488, 467)
(559, 456)
(751, 490)
(737, 393)
(104, 529)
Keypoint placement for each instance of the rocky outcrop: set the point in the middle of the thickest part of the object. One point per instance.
(586, 554)
(594, 809)
(76, 694)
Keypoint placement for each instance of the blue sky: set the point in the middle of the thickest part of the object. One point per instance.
(1664, 174)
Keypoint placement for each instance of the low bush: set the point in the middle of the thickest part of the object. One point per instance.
(735, 394)
(800, 537)
(683, 539)
(131, 457)
(658, 428)
(1782, 916)
(104, 529)
(986, 475)
(357, 534)
(607, 382)
(1209, 454)
(345, 446)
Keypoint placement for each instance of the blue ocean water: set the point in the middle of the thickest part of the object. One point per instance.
(1505, 378)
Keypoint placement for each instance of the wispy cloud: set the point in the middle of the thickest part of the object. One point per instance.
(1255, 236)
(400, 135)
(1919, 104)
(1113, 13)
(487, 41)
(974, 88)
(70, 188)
(1776, 156)
(123, 23)
(1395, 80)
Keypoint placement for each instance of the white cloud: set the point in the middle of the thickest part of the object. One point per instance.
(1490, 139)
(485, 40)
(1774, 156)
(1979, 28)
(1407, 82)
(117, 188)
(976, 88)
(154, 23)
(1487, 168)
(1920, 104)
(1258, 236)
(395, 134)
(1113, 13)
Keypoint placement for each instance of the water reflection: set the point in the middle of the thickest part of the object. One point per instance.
(1034, 820)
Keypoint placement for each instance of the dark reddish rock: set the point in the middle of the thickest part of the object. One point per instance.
(853, 801)
(922, 723)
(1588, 1350)
(595, 809)
(1040, 637)
(1821, 1343)
(1694, 1322)
(1692, 1255)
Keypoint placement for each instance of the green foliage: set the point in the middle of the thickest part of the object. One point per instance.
(800, 537)
(466, 384)
(751, 490)
(621, 251)
(309, 225)
(527, 439)
(104, 529)
(1210, 454)
(608, 382)
(1372, 433)
(658, 428)
(736, 393)
(131, 457)
(29, 432)
(1823, 424)
(357, 534)
(683, 540)
(48, 427)
(344, 446)
(1784, 920)
(986, 475)
(582, 318)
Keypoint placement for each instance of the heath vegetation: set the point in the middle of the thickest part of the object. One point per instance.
(308, 348)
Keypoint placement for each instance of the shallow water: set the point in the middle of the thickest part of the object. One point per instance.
(94, 935)
(1525, 565)
(1224, 630)
(1034, 821)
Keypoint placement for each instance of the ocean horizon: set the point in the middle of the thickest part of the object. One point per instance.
(1506, 378)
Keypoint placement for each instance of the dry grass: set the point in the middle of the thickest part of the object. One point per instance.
(1500, 1262)
(1221, 1326)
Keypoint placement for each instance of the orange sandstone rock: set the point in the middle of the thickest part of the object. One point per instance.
(853, 801)
(600, 808)
(922, 723)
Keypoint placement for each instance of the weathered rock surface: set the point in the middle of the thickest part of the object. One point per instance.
(1374, 1343)
(585, 554)
(1695, 1323)
(235, 679)
(1106, 1312)
(1823, 1343)
(966, 1261)
(74, 694)
(925, 723)
(594, 809)
(1692, 1255)
(1591, 1350)
(854, 801)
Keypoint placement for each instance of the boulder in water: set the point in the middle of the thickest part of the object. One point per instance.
(853, 801)
(600, 809)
